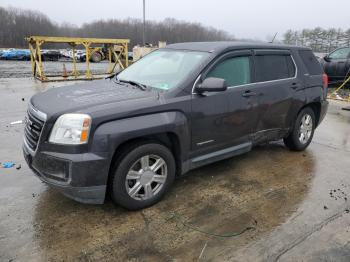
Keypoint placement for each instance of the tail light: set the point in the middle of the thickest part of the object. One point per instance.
(325, 80)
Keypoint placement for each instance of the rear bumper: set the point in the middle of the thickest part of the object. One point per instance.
(323, 111)
(82, 177)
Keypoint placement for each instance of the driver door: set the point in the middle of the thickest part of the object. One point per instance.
(224, 119)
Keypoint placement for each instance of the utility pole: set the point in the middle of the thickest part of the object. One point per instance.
(144, 24)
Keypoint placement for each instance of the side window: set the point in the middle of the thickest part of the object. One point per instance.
(342, 53)
(311, 63)
(273, 67)
(235, 70)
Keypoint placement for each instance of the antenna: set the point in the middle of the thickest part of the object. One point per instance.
(274, 37)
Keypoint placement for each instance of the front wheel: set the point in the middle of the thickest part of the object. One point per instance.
(302, 132)
(142, 176)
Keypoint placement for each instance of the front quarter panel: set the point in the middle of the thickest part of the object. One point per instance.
(109, 136)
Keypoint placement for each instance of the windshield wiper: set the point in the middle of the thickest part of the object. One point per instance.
(114, 75)
(134, 83)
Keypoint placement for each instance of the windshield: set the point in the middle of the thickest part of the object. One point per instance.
(163, 69)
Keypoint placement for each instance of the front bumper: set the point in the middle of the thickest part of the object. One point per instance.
(82, 177)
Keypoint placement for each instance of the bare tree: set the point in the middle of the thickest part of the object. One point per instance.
(319, 39)
(16, 24)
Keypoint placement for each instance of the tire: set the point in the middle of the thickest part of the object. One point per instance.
(141, 187)
(96, 57)
(300, 137)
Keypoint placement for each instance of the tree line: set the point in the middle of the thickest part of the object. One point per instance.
(16, 24)
(319, 39)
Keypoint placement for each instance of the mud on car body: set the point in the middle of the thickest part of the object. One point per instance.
(176, 109)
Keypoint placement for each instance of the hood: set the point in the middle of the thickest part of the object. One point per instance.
(85, 96)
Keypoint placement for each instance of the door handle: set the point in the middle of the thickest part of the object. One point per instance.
(249, 93)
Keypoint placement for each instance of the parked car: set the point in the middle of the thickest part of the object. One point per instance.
(15, 54)
(176, 109)
(50, 55)
(68, 54)
(337, 64)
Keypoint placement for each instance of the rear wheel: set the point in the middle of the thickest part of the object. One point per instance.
(142, 176)
(302, 132)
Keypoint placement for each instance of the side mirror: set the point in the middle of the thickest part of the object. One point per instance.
(212, 84)
(327, 58)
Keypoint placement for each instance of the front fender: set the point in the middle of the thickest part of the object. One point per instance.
(109, 136)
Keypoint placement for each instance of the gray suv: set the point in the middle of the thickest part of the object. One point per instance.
(176, 109)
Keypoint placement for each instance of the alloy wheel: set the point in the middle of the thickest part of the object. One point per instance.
(146, 177)
(305, 129)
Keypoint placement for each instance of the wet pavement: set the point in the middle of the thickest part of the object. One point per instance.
(296, 205)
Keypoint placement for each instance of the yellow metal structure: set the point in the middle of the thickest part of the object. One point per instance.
(115, 58)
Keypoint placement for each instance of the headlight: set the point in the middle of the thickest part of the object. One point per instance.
(71, 129)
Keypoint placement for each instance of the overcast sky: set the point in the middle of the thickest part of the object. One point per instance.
(255, 19)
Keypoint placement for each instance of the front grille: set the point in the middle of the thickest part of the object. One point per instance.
(32, 129)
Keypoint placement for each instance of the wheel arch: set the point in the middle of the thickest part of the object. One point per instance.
(170, 129)
(168, 139)
(316, 108)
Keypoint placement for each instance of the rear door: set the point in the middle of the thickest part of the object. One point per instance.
(275, 86)
(224, 119)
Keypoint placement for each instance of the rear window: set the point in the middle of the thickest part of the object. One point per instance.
(273, 67)
(312, 65)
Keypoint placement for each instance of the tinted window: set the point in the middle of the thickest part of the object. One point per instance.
(312, 65)
(235, 70)
(341, 53)
(273, 67)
